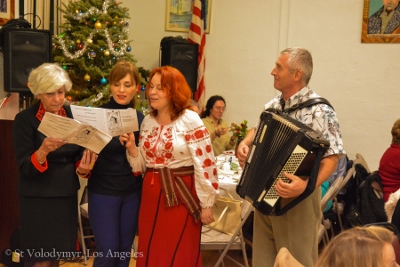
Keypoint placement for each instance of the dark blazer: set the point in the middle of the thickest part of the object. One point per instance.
(60, 178)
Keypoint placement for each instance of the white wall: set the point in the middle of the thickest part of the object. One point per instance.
(360, 80)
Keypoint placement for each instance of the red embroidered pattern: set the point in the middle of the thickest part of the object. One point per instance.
(42, 111)
(159, 148)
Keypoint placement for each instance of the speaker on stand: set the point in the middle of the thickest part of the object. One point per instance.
(183, 55)
(24, 50)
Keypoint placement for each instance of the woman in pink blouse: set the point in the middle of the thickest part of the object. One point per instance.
(180, 183)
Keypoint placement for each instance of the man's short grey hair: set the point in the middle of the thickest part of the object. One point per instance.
(300, 59)
(48, 78)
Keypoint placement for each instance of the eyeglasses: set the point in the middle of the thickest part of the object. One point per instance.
(220, 108)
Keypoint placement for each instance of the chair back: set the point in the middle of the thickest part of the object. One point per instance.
(332, 192)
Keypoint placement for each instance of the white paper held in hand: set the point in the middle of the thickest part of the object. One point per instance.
(74, 132)
(112, 121)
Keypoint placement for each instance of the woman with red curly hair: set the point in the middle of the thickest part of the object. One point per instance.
(180, 183)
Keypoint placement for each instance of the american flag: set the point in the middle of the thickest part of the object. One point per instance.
(198, 36)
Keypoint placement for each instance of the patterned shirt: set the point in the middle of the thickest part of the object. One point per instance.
(184, 142)
(320, 117)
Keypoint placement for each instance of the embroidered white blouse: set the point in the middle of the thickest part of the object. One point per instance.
(184, 142)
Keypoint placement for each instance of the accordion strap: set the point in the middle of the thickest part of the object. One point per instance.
(308, 103)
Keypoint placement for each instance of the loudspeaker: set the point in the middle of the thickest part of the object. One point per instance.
(181, 54)
(24, 50)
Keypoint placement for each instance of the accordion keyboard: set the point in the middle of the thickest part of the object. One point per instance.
(294, 161)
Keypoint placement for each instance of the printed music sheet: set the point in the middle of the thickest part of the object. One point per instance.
(74, 132)
(112, 121)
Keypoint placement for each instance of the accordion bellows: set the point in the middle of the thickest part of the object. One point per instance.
(281, 144)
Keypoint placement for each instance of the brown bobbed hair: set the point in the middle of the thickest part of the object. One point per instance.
(121, 69)
(174, 83)
(396, 132)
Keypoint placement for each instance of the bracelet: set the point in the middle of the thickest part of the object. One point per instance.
(217, 134)
(81, 174)
(129, 154)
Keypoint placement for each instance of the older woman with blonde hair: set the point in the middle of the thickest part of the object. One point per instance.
(360, 246)
(48, 181)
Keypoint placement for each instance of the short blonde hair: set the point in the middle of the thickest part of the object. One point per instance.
(48, 78)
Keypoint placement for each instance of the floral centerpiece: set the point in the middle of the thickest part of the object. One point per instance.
(239, 130)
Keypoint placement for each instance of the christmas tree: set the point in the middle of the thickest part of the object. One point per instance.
(94, 37)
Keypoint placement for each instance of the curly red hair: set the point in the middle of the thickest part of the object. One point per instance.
(174, 83)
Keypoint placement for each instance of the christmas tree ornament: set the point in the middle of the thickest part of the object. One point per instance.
(103, 80)
(98, 25)
(89, 41)
(106, 53)
(128, 49)
(92, 54)
(86, 77)
(78, 41)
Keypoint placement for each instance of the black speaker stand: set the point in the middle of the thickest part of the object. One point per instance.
(25, 100)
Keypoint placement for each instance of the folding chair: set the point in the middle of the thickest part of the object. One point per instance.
(83, 212)
(338, 207)
(362, 161)
(326, 224)
(215, 240)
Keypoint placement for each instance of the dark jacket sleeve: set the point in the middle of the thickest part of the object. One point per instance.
(59, 179)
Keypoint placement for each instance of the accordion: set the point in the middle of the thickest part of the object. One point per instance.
(281, 144)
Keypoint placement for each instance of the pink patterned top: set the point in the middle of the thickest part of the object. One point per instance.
(184, 142)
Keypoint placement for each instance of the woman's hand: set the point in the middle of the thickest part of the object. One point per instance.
(128, 140)
(206, 215)
(87, 162)
(51, 144)
(221, 131)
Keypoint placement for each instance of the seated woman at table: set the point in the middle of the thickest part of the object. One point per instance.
(218, 128)
(389, 165)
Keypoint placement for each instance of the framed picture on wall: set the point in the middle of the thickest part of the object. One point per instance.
(179, 15)
(381, 22)
(7, 10)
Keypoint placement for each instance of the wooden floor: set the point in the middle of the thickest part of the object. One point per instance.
(209, 259)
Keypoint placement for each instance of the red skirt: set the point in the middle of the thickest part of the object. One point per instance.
(168, 236)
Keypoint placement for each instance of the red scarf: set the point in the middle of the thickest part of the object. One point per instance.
(42, 111)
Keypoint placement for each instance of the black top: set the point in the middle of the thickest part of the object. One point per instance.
(112, 175)
(60, 178)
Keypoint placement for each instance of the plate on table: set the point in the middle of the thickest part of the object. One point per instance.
(229, 152)
(227, 172)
